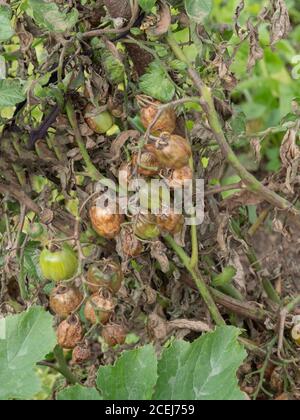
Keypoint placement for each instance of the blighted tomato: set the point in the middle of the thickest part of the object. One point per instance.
(36, 231)
(81, 354)
(105, 223)
(58, 263)
(64, 300)
(145, 227)
(180, 177)
(148, 164)
(69, 332)
(114, 334)
(296, 334)
(172, 151)
(107, 274)
(99, 122)
(170, 222)
(165, 123)
(99, 308)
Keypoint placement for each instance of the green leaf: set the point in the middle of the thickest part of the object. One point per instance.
(203, 370)
(48, 16)
(132, 377)
(157, 84)
(198, 10)
(147, 5)
(79, 393)
(6, 30)
(25, 339)
(114, 68)
(11, 93)
(31, 265)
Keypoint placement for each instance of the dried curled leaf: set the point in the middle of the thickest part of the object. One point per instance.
(290, 157)
(280, 21)
(256, 52)
(164, 21)
(238, 12)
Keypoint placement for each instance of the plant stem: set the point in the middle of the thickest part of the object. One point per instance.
(199, 281)
(63, 367)
(264, 368)
(243, 309)
(271, 292)
(209, 109)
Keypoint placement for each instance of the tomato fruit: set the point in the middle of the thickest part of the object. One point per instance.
(60, 264)
(145, 227)
(99, 308)
(64, 300)
(170, 222)
(172, 151)
(107, 274)
(165, 123)
(69, 332)
(148, 164)
(180, 177)
(99, 122)
(105, 223)
(113, 334)
(36, 231)
(296, 334)
(81, 354)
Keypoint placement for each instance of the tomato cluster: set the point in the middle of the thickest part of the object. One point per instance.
(165, 151)
(169, 152)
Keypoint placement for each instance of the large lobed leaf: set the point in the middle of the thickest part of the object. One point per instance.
(157, 84)
(132, 377)
(25, 339)
(147, 5)
(48, 16)
(6, 30)
(203, 370)
(11, 93)
(79, 393)
(198, 10)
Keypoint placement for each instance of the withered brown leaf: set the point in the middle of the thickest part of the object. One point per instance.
(280, 21)
(256, 52)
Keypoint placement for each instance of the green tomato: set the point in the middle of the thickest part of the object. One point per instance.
(146, 228)
(59, 265)
(99, 123)
(36, 231)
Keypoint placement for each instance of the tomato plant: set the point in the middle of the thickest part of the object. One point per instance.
(149, 200)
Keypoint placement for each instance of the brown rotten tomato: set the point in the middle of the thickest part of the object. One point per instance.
(180, 176)
(172, 151)
(130, 244)
(64, 300)
(105, 223)
(148, 164)
(106, 274)
(69, 332)
(81, 354)
(170, 222)
(114, 334)
(99, 308)
(165, 123)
